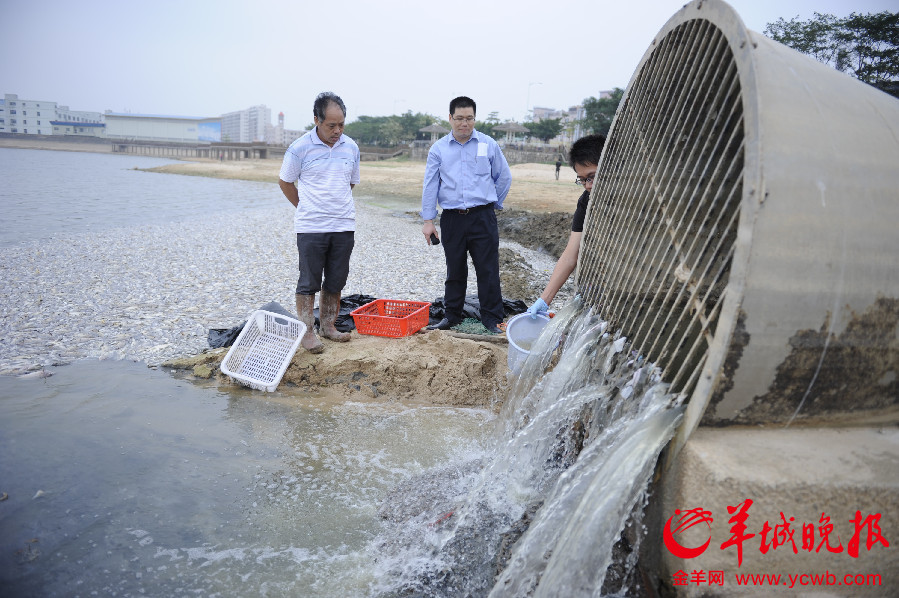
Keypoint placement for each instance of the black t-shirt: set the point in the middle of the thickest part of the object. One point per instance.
(577, 223)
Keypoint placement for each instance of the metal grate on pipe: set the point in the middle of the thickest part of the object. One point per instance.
(662, 224)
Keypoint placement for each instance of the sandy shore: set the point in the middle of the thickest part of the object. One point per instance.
(130, 322)
(534, 187)
(470, 372)
(86, 144)
(537, 210)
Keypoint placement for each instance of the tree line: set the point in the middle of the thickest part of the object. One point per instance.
(863, 46)
(404, 128)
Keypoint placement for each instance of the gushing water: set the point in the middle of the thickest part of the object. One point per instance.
(540, 512)
(146, 484)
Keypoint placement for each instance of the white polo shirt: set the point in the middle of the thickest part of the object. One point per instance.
(323, 176)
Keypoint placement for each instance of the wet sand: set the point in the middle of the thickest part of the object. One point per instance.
(70, 144)
(471, 372)
(536, 214)
(534, 187)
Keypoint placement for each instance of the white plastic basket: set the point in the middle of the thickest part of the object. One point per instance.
(263, 350)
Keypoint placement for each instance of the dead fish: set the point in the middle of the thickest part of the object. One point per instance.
(36, 375)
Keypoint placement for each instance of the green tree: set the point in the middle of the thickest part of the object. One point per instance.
(545, 129)
(391, 132)
(600, 112)
(863, 46)
(486, 126)
(366, 129)
(411, 123)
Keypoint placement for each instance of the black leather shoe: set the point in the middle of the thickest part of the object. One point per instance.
(493, 328)
(443, 324)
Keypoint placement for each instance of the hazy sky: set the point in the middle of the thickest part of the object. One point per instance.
(205, 58)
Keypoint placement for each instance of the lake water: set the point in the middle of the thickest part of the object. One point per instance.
(50, 192)
(123, 480)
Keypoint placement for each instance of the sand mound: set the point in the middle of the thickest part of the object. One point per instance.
(433, 367)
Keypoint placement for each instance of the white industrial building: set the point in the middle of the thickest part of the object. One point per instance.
(40, 117)
(31, 117)
(246, 126)
(63, 113)
(163, 129)
(572, 129)
(278, 135)
(36, 117)
(81, 129)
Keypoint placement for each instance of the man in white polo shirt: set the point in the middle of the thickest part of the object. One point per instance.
(317, 176)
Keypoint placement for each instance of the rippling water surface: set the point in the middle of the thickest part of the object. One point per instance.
(48, 192)
(120, 480)
(125, 481)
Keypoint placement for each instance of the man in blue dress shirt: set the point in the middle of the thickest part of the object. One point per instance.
(468, 176)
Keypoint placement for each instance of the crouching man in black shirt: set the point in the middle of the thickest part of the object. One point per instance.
(584, 159)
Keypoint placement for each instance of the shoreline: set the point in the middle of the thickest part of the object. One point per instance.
(537, 212)
(85, 144)
(534, 188)
(151, 293)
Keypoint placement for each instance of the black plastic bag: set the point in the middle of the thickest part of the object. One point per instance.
(225, 337)
(472, 308)
(344, 321)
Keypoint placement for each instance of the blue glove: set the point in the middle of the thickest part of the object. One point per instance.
(539, 307)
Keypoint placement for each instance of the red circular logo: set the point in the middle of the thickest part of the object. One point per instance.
(687, 520)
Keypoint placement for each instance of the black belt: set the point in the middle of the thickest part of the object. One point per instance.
(469, 210)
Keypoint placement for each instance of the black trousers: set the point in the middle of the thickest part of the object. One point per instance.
(324, 254)
(475, 234)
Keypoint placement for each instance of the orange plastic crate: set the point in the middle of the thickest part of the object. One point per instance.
(390, 317)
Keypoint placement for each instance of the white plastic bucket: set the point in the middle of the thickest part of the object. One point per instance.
(522, 331)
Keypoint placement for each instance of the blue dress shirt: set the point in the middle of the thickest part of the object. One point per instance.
(460, 176)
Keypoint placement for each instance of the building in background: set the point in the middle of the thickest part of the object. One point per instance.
(163, 129)
(572, 120)
(541, 113)
(82, 129)
(572, 128)
(278, 135)
(573, 124)
(37, 117)
(63, 113)
(246, 126)
(78, 122)
(26, 117)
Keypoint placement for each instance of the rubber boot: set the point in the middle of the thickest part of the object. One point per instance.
(328, 308)
(305, 305)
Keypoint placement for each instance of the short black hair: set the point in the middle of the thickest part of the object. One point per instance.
(586, 150)
(323, 100)
(463, 102)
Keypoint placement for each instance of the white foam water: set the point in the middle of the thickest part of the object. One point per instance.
(143, 484)
(539, 514)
